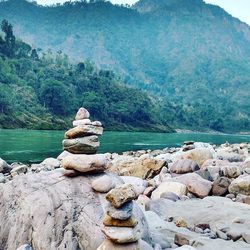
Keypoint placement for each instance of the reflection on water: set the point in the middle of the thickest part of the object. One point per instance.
(34, 146)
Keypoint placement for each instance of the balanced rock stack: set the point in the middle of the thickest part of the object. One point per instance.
(82, 142)
(120, 224)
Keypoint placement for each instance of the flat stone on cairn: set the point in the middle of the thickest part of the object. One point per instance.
(83, 138)
(120, 195)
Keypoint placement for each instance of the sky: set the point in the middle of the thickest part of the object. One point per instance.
(237, 8)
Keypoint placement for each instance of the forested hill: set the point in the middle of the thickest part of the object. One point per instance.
(193, 54)
(43, 91)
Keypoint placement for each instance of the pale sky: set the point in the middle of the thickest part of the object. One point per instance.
(237, 8)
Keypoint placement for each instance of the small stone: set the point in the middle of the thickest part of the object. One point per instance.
(187, 147)
(84, 145)
(198, 230)
(220, 186)
(188, 142)
(82, 113)
(195, 184)
(51, 162)
(199, 155)
(85, 163)
(21, 169)
(109, 221)
(120, 195)
(241, 185)
(122, 213)
(205, 174)
(103, 184)
(180, 222)
(139, 185)
(83, 130)
(184, 166)
(246, 237)
(122, 235)
(4, 166)
(230, 196)
(234, 235)
(169, 186)
(230, 171)
(143, 201)
(238, 220)
(221, 235)
(203, 226)
(148, 191)
(81, 122)
(181, 239)
(170, 196)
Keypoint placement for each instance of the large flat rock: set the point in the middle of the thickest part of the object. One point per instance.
(50, 211)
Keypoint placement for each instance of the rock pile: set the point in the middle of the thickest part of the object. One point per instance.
(81, 143)
(120, 224)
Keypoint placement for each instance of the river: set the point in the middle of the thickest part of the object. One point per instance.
(35, 145)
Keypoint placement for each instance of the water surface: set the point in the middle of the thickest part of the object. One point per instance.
(36, 145)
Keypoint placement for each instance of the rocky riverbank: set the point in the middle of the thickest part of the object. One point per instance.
(193, 197)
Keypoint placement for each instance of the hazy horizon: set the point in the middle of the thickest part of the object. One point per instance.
(238, 9)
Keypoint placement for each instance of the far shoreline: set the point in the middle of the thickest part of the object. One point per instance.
(177, 131)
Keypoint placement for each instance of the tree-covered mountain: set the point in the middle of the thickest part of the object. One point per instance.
(43, 92)
(193, 54)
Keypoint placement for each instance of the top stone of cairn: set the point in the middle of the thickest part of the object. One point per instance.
(82, 114)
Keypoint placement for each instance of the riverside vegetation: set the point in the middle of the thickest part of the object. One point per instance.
(192, 54)
(40, 92)
(187, 198)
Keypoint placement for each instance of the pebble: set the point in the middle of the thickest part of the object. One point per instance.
(103, 184)
(180, 222)
(181, 239)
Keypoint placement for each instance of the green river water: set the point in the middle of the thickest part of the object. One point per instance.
(34, 146)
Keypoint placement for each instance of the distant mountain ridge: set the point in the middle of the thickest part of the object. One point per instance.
(189, 52)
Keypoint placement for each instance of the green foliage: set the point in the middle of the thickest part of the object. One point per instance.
(44, 93)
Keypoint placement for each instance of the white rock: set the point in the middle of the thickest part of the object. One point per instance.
(122, 234)
(138, 184)
(51, 162)
(174, 187)
(103, 184)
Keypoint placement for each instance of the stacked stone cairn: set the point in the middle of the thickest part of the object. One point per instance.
(119, 223)
(83, 138)
(81, 144)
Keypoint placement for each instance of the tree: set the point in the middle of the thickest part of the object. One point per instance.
(10, 40)
(5, 103)
(34, 55)
(57, 97)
